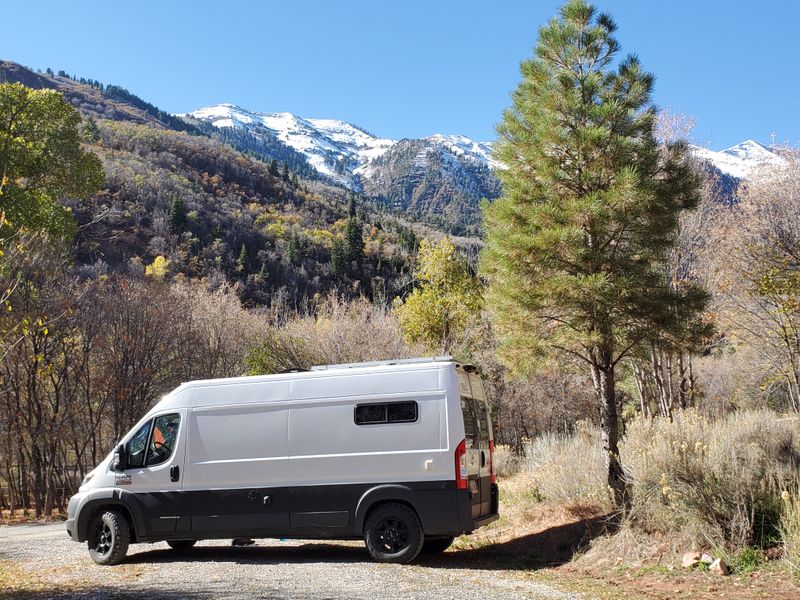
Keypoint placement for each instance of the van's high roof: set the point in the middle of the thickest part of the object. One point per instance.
(409, 364)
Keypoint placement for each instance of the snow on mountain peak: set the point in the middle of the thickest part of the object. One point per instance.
(345, 153)
(741, 159)
(334, 148)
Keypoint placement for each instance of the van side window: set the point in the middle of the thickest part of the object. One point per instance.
(136, 446)
(162, 440)
(387, 412)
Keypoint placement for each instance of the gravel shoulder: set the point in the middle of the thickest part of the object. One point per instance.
(40, 561)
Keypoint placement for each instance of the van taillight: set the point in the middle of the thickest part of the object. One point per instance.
(491, 462)
(461, 466)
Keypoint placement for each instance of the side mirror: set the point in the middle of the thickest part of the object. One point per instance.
(120, 461)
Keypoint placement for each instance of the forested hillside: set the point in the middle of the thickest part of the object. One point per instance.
(183, 192)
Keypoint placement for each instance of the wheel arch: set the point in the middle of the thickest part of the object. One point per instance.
(95, 505)
(383, 494)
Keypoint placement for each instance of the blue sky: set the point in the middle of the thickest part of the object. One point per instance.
(413, 68)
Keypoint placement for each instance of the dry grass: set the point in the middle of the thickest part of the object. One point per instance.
(568, 468)
(695, 481)
(718, 481)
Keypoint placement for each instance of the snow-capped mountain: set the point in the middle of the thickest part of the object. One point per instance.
(344, 152)
(335, 149)
(440, 178)
(739, 161)
(338, 150)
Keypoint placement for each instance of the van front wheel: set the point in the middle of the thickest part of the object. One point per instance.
(393, 534)
(109, 537)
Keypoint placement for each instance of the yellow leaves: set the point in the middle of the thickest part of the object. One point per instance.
(438, 311)
(157, 269)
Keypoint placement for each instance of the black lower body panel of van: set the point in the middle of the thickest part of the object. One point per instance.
(334, 511)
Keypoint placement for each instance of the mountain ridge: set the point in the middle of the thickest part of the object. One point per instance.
(347, 153)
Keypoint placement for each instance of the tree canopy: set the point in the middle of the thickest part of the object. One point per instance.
(447, 296)
(41, 159)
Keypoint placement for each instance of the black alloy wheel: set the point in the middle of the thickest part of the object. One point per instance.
(393, 533)
(109, 537)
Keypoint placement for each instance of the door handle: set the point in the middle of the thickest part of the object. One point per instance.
(483, 458)
(267, 500)
(174, 473)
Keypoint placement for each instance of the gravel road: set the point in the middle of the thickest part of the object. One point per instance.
(270, 569)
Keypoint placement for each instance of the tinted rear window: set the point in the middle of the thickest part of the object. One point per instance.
(476, 422)
(386, 412)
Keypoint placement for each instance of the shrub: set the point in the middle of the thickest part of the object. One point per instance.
(790, 529)
(568, 468)
(720, 480)
(714, 482)
(505, 462)
(339, 332)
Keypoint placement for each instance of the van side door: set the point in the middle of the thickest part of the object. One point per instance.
(154, 474)
(237, 461)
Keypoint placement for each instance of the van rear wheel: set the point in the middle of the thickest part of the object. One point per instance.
(436, 545)
(109, 536)
(393, 534)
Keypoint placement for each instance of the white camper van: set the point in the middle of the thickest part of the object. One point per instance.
(397, 453)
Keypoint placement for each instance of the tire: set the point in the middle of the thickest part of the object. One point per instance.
(181, 545)
(436, 545)
(393, 534)
(109, 537)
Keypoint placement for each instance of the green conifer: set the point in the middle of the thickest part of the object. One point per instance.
(338, 260)
(575, 246)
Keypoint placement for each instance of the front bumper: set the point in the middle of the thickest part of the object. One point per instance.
(73, 509)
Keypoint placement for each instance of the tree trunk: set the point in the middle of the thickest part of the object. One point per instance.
(605, 386)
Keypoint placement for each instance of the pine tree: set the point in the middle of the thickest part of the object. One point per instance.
(91, 132)
(242, 261)
(293, 249)
(177, 214)
(351, 205)
(285, 172)
(354, 241)
(575, 246)
(273, 168)
(263, 274)
(338, 260)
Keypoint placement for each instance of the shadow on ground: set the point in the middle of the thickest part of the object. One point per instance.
(550, 547)
(547, 548)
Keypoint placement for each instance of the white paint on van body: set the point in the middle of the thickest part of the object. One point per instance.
(298, 429)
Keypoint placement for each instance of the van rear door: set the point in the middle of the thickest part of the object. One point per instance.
(478, 438)
(485, 442)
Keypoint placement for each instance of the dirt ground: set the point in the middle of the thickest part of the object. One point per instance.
(549, 549)
(542, 559)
